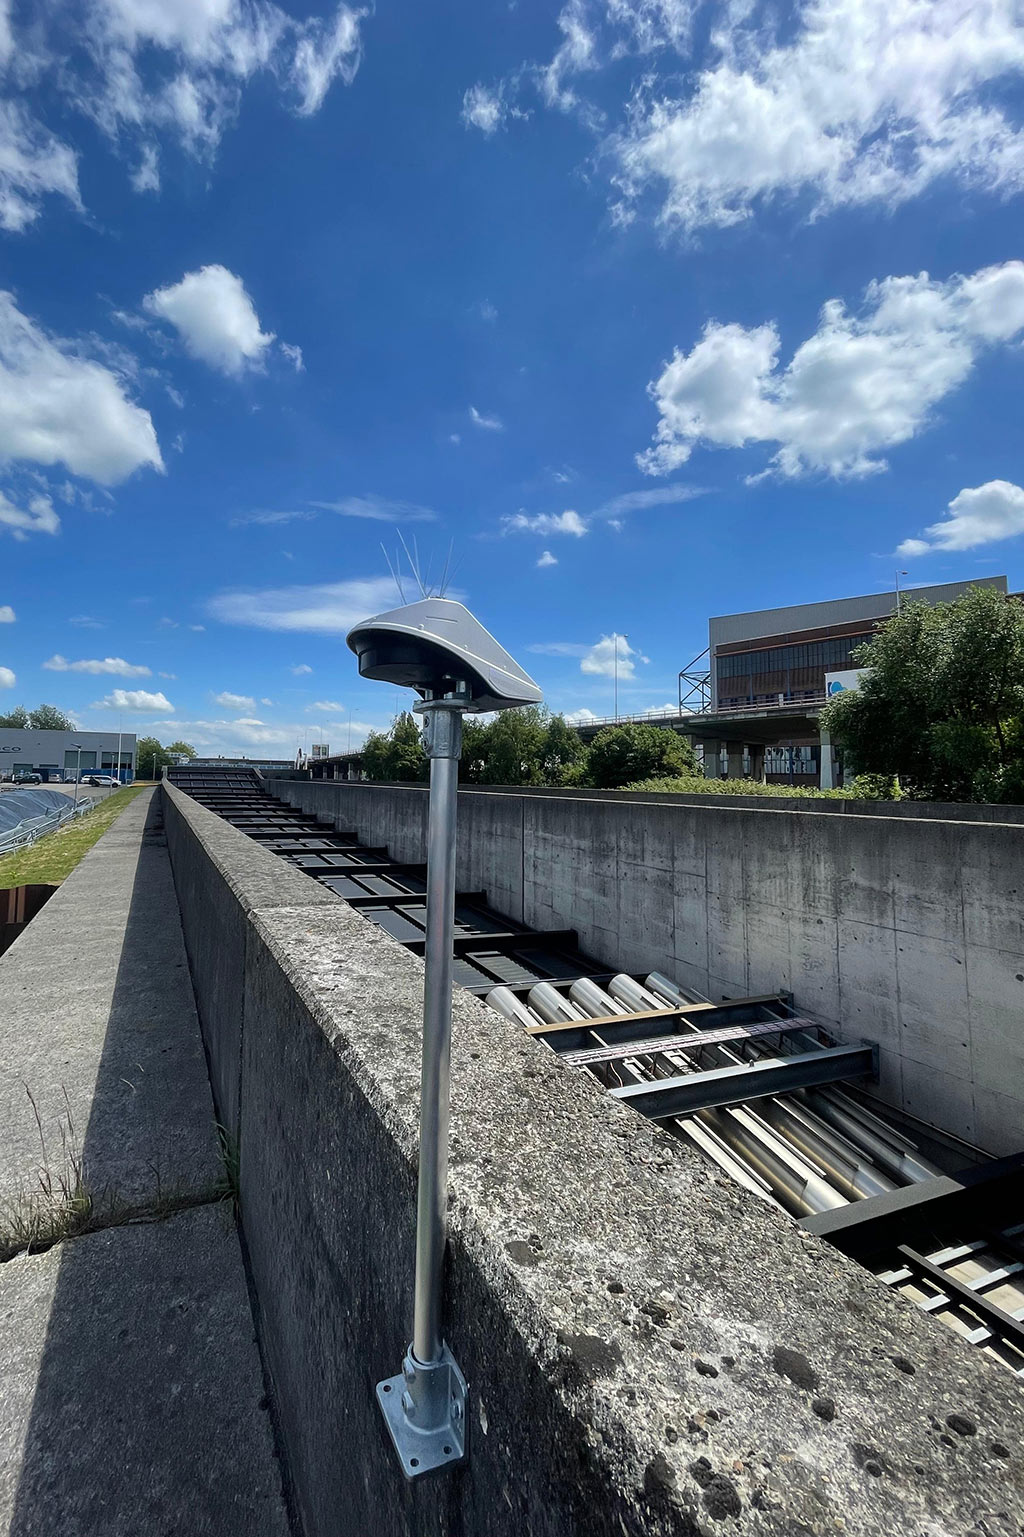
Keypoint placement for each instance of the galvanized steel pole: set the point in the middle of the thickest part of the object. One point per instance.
(444, 748)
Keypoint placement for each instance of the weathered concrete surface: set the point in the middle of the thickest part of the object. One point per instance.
(650, 1350)
(214, 918)
(131, 1399)
(99, 1027)
(908, 932)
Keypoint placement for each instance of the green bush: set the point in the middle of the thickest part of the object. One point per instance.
(692, 785)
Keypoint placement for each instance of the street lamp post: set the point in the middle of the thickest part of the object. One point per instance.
(615, 668)
(898, 593)
(78, 770)
(436, 647)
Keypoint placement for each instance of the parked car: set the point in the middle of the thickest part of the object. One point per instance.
(102, 779)
(27, 777)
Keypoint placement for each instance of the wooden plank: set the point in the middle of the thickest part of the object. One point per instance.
(682, 1012)
(695, 1041)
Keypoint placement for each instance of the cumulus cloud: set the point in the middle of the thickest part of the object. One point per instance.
(33, 164)
(485, 423)
(215, 318)
(6, 614)
(59, 407)
(581, 717)
(568, 522)
(114, 665)
(278, 739)
(600, 660)
(301, 670)
(861, 384)
(135, 700)
(7, 678)
(864, 101)
(484, 107)
(331, 608)
(235, 701)
(547, 559)
(979, 515)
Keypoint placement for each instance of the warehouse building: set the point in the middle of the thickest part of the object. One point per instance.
(60, 755)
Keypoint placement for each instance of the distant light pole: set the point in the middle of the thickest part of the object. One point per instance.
(615, 667)
(117, 775)
(898, 594)
(78, 770)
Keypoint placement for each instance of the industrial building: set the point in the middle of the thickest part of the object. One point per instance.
(59, 755)
(767, 677)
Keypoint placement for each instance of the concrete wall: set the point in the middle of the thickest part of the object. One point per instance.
(906, 931)
(649, 1349)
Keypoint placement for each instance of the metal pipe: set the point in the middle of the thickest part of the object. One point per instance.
(444, 745)
(553, 1007)
(842, 1165)
(626, 989)
(504, 1001)
(909, 1167)
(593, 1000)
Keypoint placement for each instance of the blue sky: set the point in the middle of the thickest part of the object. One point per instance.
(655, 309)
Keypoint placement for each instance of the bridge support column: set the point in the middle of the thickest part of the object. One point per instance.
(827, 778)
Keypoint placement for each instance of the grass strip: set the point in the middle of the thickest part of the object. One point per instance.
(52, 857)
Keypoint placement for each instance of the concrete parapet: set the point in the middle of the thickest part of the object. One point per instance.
(650, 1350)
(908, 931)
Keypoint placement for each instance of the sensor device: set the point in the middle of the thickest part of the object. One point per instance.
(436, 647)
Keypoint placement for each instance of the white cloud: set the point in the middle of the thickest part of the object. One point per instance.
(274, 739)
(172, 675)
(600, 660)
(60, 407)
(38, 517)
(215, 317)
(114, 665)
(581, 717)
(294, 356)
(328, 609)
(235, 701)
(864, 101)
(558, 648)
(145, 71)
(976, 516)
(33, 164)
(325, 706)
(484, 108)
(325, 51)
(6, 614)
(7, 678)
(639, 501)
(378, 509)
(568, 522)
(198, 627)
(301, 670)
(266, 701)
(86, 622)
(137, 700)
(547, 559)
(485, 423)
(859, 385)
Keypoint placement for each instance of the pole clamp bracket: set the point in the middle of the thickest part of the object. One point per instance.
(424, 1409)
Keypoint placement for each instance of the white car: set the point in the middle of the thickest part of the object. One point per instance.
(102, 779)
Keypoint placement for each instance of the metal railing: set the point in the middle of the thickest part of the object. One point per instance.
(27, 832)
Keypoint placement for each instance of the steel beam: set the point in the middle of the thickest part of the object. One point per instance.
(723, 1086)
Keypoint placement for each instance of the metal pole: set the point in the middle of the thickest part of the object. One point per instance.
(78, 772)
(425, 1407)
(445, 748)
(615, 666)
(117, 775)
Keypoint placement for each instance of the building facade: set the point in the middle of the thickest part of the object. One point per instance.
(769, 678)
(60, 755)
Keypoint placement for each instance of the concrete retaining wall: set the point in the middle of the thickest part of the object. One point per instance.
(649, 1349)
(905, 931)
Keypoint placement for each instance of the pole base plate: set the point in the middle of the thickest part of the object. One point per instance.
(424, 1408)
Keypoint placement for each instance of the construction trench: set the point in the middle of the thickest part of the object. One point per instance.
(763, 1092)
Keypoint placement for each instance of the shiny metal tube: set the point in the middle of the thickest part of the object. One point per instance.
(907, 1166)
(552, 1006)
(842, 1165)
(444, 744)
(593, 1000)
(799, 1188)
(674, 995)
(504, 1001)
(625, 989)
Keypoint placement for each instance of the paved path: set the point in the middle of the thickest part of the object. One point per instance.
(131, 1394)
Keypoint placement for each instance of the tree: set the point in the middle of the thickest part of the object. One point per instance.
(941, 704)
(619, 755)
(150, 758)
(16, 719)
(48, 718)
(396, 755)
(563, 754)
(182, 750)
(515, 747)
